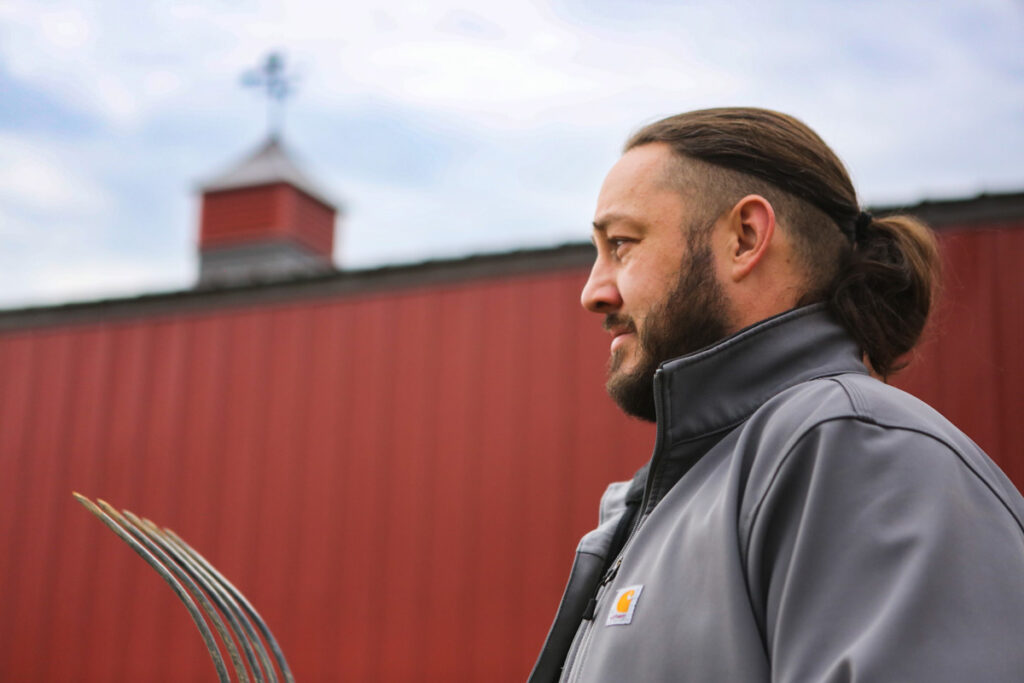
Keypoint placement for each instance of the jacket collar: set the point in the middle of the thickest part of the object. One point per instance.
(720, 386)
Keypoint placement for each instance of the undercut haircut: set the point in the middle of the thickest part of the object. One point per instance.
(879, 281)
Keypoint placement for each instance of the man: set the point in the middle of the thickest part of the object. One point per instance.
(799, 519)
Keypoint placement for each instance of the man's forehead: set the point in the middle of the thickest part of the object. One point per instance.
(654, 163)
(642, 177)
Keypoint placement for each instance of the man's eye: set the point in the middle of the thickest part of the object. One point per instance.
(619, 245)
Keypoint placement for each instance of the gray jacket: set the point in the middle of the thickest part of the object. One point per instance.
(798, 521)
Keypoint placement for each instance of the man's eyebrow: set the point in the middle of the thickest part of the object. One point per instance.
(608, 219)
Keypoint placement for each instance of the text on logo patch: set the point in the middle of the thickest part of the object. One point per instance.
(623, 606)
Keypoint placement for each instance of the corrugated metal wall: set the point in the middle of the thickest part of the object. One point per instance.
(396, 480)
(970, 366)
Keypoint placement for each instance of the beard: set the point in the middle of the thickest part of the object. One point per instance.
(692, 316)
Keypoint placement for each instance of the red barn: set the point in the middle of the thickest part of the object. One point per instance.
(393, 464)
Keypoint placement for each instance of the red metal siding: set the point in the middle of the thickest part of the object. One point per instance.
(378, 473)
(309, 221)
(232, 216)
(276, 211)
(1008, 321)
(397, 480)
(970, 366)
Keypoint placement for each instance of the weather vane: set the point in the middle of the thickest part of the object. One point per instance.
(277, 84)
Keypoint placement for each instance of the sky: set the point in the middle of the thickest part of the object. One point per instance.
(447, 128)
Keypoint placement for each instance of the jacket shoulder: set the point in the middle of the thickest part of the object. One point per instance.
(876, 537)
(857, 398)
(867, 428)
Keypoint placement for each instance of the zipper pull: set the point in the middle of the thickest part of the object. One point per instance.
(610, 574)
(588, 611)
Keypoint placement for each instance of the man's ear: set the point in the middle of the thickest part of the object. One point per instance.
(750, 225)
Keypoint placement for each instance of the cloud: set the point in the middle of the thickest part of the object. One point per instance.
(449, 128)
(59, 277)
(36, 176)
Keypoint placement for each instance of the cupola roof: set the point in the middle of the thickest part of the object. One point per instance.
(270, 163)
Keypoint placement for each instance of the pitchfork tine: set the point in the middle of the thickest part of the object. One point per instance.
(130, 522)
(242, 629)
(239, 600)
(197, 617)
(260, 624)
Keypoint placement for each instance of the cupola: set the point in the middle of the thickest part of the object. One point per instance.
(264, 219)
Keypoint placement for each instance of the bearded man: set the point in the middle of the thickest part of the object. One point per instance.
(799, 519)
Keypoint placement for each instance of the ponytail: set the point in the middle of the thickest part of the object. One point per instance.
(885, 288)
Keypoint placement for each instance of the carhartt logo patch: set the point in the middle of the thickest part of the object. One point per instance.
(623, 606)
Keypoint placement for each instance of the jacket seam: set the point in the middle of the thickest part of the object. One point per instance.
(853, 396)
(659, 479)
(782, 462)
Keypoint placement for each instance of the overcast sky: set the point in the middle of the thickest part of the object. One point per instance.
(448, 128)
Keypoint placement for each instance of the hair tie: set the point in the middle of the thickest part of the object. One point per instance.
(860, 226)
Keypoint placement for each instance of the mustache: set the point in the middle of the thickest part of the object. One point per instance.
(614, 321)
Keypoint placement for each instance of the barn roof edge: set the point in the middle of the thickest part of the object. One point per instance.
(980, 211)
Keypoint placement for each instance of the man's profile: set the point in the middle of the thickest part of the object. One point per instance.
(799, 519)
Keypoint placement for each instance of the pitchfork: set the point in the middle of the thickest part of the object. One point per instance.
(190, 575)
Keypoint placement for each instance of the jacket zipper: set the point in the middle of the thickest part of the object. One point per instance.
(590, 617)
(573, 671)
(575, 659)
(591, 608)
(659, 443)
(577, 654)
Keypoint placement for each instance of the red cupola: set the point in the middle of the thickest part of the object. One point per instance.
(264, 220)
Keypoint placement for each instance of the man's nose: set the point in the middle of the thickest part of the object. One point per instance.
(600, 294)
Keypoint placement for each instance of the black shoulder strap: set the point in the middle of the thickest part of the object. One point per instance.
(584, 578)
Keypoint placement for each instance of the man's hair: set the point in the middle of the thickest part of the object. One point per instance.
(880, 287)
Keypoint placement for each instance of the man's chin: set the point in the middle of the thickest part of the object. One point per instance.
(619, 364)
(633, 392)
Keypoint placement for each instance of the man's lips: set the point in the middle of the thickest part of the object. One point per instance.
(619, 339)
(620, 330)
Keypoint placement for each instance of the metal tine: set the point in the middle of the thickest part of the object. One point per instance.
(131, 523)
(235, 597)
(197, 617)
(240, 627)
(260, 624)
